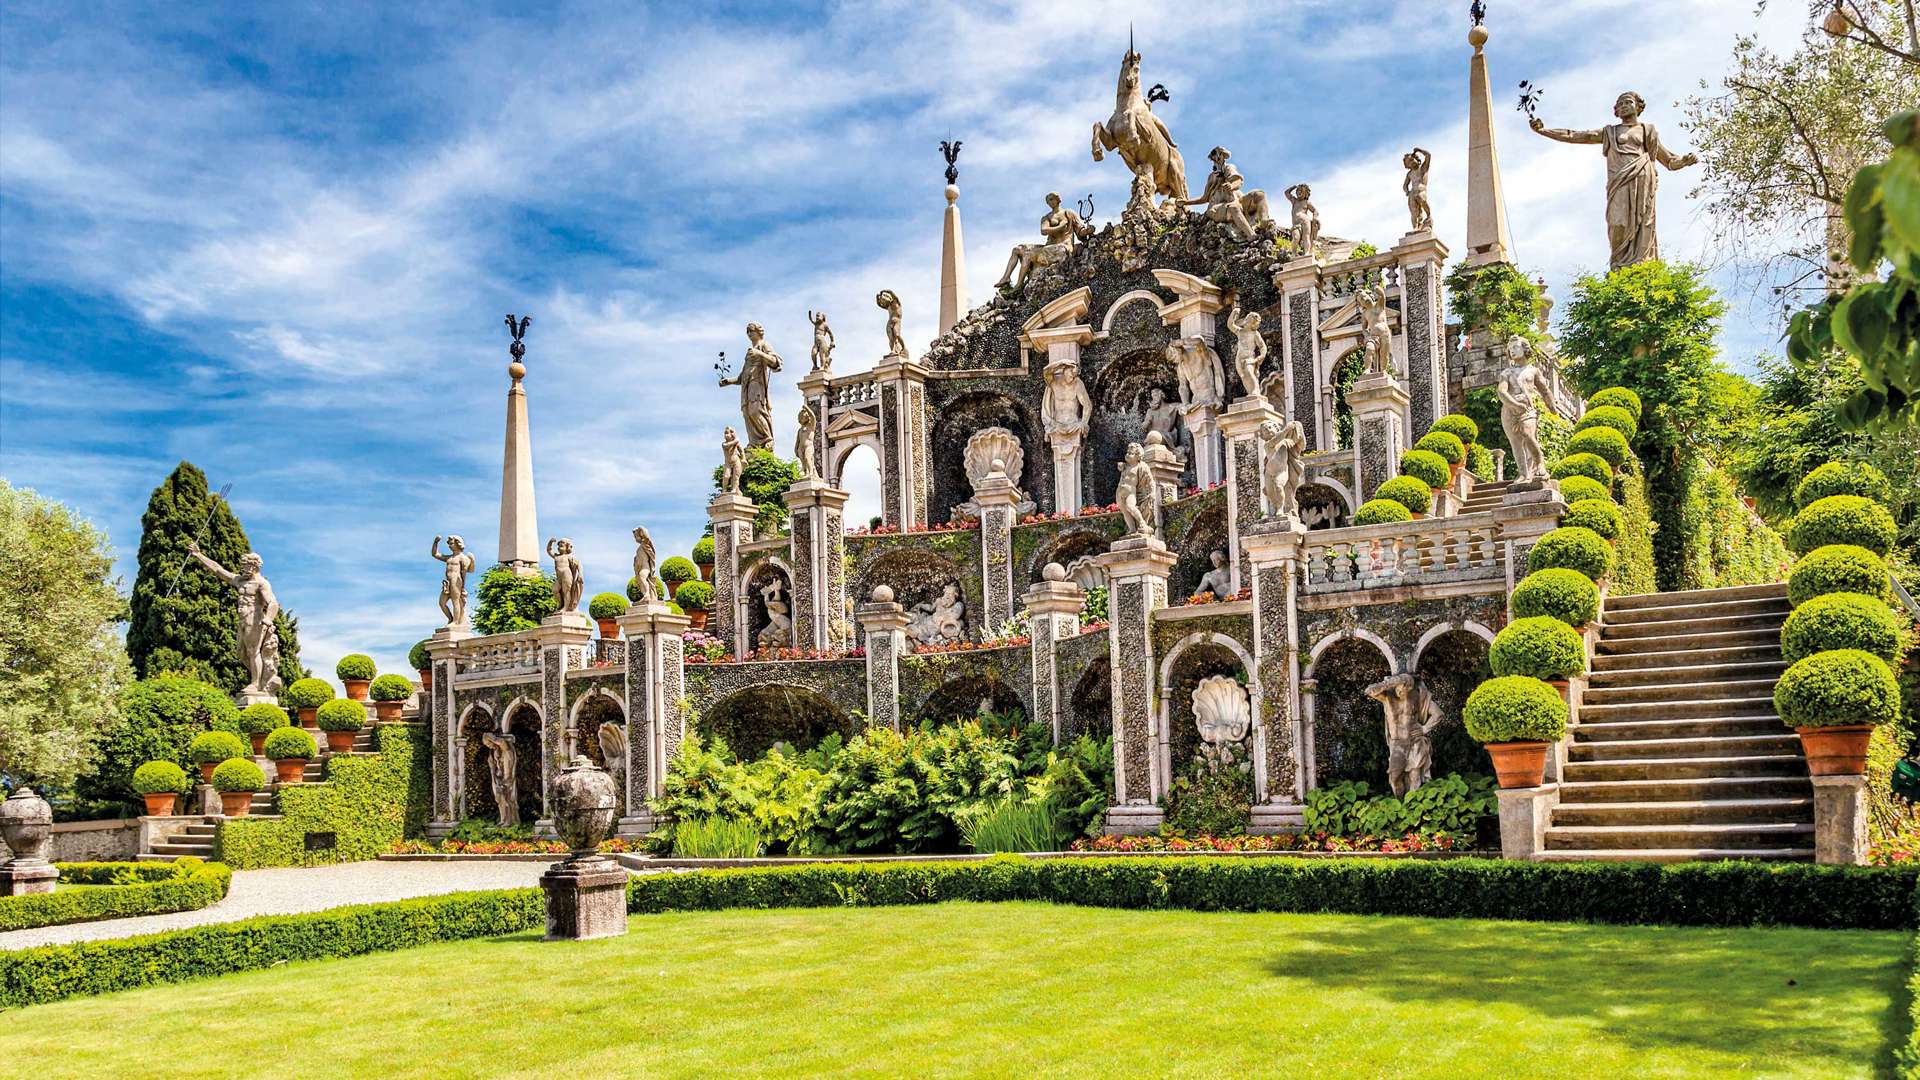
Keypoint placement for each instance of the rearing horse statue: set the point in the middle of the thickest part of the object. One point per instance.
(1141, 138)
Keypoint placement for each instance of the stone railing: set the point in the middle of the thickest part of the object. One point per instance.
(1422, 552)
(1345, 278)
(498, 654)
(854, 390)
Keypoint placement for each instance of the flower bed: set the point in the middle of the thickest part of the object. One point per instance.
(973, 646)
(1198, 599)
(956, 525)
(1410, 843)
(615, 846)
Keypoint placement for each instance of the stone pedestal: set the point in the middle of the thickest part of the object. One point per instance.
(1241, 428)
(732, 518)
(586, 898)
(817, 550)
(1203, 430)
(1053, 615)
(1299, 284)
(816, 391)
(1524, 815)
(26, 823)
(1274, 549)
(443, 726)
(1067, 481)
(1379, 431)
(20, 879)
(885, 625)
(1137, 571)
(904, 440)
(1840, 820)
(1168, 469)
(655, 681)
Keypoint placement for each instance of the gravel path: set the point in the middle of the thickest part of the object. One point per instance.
(286, 892)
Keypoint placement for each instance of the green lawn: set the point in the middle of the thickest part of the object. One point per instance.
(1022, 989)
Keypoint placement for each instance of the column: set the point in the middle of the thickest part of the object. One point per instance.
(885, 623)
(1487, 238)
(953, 261)
(564, 638)
(904, 441)
(1196, 311)
(996, 497)
(1057, 330)
(1137, 570)
(1379, 431)
(1299, 285)
(655, 683)
(817, 548)
(1053, 612)
(1309, 770)
(732, 517)
(1422, 258)
(1279, 791)
(444, 647)
(1241, 427)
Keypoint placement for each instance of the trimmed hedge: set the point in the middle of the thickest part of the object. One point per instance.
(1841, 621)
(1574, 548)
(1414, 494)
(1567, 595)
(1592, 466)
(1843, 686)
(1619, 396)
(124, 890)
(1584, 488)
(309, 693)
(1838, 568)
(1843, 519)
(1381, 512)
(1602, 442)
(1446, 444)
(1541, 646)
(1843, 478)
(355, 666)
(1427, 467)
(1509, 708)
(1459, 426)
(1612, 416)
(367, 802)
(1599, 515)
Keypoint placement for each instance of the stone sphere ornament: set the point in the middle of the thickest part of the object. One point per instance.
(883, 594)
(26, 823)
(1054, 572)
(584, 805)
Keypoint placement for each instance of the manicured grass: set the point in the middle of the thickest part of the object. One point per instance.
(1024, 989)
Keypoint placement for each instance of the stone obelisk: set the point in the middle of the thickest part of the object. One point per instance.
(953, 255)
(519, 532)
(1487, 237)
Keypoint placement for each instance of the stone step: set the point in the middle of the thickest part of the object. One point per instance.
(1655, 644)
(1684, 811)
(1794, 764)
(1688, 655)
(1716, 609)
(205, 851)
(1719, 836)
(1692, 626)
(1691, 789)
(1712, 746)
(1687, 674)
(1715, 690)
(1690, 709)
(1773, 590)
(1757, 724)
(1775, 854)
(197, 832)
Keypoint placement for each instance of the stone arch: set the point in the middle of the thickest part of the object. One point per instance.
(1193, 658)
(1136, 296)
(865, 483)
(753, 718)
(1119, 395)
(1342, 371)
(1065, 548)
(916, 575)
(1435, 631)
(593, 708)
(1333, 496)
(961, 698)
(1450, 661)
(1356, 633)
(473, 796)
(1090, 705)
(752, 579)
(1206, 533)
(957, 422)
(526, 722)
(1348, 734)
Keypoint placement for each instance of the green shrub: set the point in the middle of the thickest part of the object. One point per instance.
(1841, 621)
(239, 774)
(120, 891)
(160, 778)
(1427, 467)
(418, 658)
(635, 593)
(262, 717)
(1599, 515)
(309, 693)
(1413, 493)
(1205, 801)
(717, 838)
(693, 595)
(1541, 646)
(1592, 466)
(356, 666)
(1013, 825)
(1611, 416)
(607, 605)
(678, 568)
(1463, 807)
(1480, 461)
(1574, 548)
(1617, 396)
(213, 747)
(703, 551)
(341, 714)
(156, 721)
(1558, 593)
(1844, 686)
(1459, 426)
(1843, 478)
(1838, 568)
(1381, 512)
(1843, 519)
(1602, 442)
(390, 687)
(1579, 488)
(290, 742)
(509, 601)
(1515, 708)
(368, 802)
(1446, 444)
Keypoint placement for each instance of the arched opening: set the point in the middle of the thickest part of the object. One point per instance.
(1066, 550)
(1323, 507)
(523, 723)
(916, 577)
(1349, 728)
(1090, 706)
(1121, 397)
(966, 697)
(477, 796)
(752, 720)
(858, 474)
(1450, 667)
(596, 712)
(1344, 373)
(958, 420)
(762, 601)
(1206, 534)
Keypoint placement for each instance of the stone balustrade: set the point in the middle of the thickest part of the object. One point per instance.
(856, 389)
(498, 654)
(1464, 547)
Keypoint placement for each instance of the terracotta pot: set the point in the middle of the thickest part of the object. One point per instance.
(1456, 469)
(290, 770)
(356, 688)
(236, 803)
(259, 742)
(1417, 515)
(206, 771)
(1519, 764)
(610, 629)
(698, 617)
(340, 742)
(1836, 750)
(706, 571)
(310, 718)
(426, 678)
(161, 804)
(388, 710)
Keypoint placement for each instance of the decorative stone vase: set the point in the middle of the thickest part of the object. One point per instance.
(1519, 764)
(259, 742)
(290, 770)
(609, 628)
(340, 742)
(1836, 750)
(206, 771)
(388, 710)
(160, 803)
(236, 803)
(26, 823)
(583, 806)
(426, 678)
(356, 688)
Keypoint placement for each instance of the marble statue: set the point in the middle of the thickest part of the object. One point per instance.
(1519, 381)
(1375, 337)
(1632, 148)
(803, 448)
(1250, 349)
(643, 565)
(1305, 232)
(1283, 466)
(1417, 162)
(1203, 381)
(1162, 416)
(1138, 507)
(1218, 581)
(613, 757)
(756, 407)
(259, 637)
(889, 302)
(1061, 230)
(1245, 213)
(938, 622)
(778, 633)
(1411, 716)
(503, 760)
(1066, 409)
(822, 341)
(1223, 715)
(1141, 138)
(453, 587)
(733, 462)
(567, 581)
(989, 449)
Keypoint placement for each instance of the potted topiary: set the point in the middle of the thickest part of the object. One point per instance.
(1517, 718)
(606, 609)
(1381, 512)
(209, 748)
(422, 662)
(1834, 700)
(390, 694)
(356, 672)
(306, 695)
(677, 570)
(1409, 492)
(1428, 467)
(703, 557)
(1541, 646)
(693, 598)
(160, 784)
(1449, 446)
(1841, 620)
(290, 748)
(1558, 593)
(237, 781)
(341, 719)
(260, 718)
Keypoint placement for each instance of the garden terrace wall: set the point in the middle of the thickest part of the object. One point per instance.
(941, 679)
(110, 840)
(916, 565)
(367, 802)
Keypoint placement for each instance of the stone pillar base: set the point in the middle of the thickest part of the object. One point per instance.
(586, 898)
(635, 826)
(439, 830)
(1524, 813)
(20, 879)
(1840, 820)
(1270, 819)
(543, 829)
(1134, 820)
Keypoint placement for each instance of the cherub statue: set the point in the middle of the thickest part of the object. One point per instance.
(567, 582)
(1411, 716)
(778, 633)
(803, 448)
(822, 341)
(1417, 161)
(1138, 508)
(502, 768)
(1376, 339)
(453, 587)
(756, 407)
(259, 638)
(1305, 233)
(1060, 231)
(1283, 466)
(1217, 582)
(733, 462)
(1246, 213)
(1250, 349)
(643, 565)
(896, 345)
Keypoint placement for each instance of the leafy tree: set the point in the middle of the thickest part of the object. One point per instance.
(183, 618)
(155, 721)
(511, 602)
(61, 662)
(764, 480)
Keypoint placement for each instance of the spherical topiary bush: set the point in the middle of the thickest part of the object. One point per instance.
(607, 605)
(1843, 478)
(418, 658)
(635, 593)
(160, 778)
(1843, 519)
(678, 569)
(1600, 515)
(1617, 396)
(1841, 621)
(1575, 488)
(356, 666)
(1612, 416)
(1446, 444)
(341, 714)
(1411, 492)
(1515, 708)
(1427, 467)
(1844, 686)
(309, 693)
(1602, 442)
(1540, 646)
(238, 775)
(703, 551)
(1381, 512)
(1460, 427)
(391, 688)
(262, 717)
(1592, 466)
(1574, 548)
(1480, 461)
(1557, 593)
(1838, 568)
(291, 742)
(693, 595)
(212, 747)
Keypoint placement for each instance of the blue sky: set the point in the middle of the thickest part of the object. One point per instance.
(279, 241)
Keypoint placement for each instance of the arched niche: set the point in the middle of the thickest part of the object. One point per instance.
(1450, 662)
(966, 696)
(476, 797)
(1090, 705)
(525, 723)
(753, 719)
(1206, 533)
(1065, 548)
(1120, 393)
(761, 574)
(1349, 728)
(916, 575)
(957, 422)
(1197, 657)
(1325, 504)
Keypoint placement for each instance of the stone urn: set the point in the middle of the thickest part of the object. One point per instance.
(26, 824)
(584, 806)
(585, 893)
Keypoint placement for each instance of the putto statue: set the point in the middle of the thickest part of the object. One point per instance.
(1305, 233)
(756, 407)
(503, 761)
(1250, 349)
(1061, 230)
(567, 580)
(1138, 507)
(1142, 139)
(778, 633)
(733, 462)
(938, 622)
(1066, 409)
(259, 637)
(1203, 381)
(1519, 381)
(1283, 466)
(643, 565)
(1245, 213)
(453, 587)
(803, 449)
(1162, 416)
(1411, 716)
(1632, 147)
(1376, 339)
(1223, 716)
(822, 341)
(890, 303)
(1217, 582)
(1417, 161)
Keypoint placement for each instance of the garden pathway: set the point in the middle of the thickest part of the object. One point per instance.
(287, 892)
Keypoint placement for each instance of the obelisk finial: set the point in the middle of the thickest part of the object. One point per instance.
(518, 350)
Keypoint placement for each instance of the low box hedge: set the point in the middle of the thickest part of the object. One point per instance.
(123, 890)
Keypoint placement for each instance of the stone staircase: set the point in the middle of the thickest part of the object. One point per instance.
(195, 839)
(1486, 495)
(1678, 753)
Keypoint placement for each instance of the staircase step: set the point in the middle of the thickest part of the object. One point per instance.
(1713, 746)
(1725, 837)
(1684, 811)
(1690, 709)
(1690, 656)
(1794, 765)
(1687, 674)
(1758, 724)
(1772, 591)
(1685, 613)
(205, 851)
(1777, 854)
(1767, 636)
(1716, 690)
(1686, 789)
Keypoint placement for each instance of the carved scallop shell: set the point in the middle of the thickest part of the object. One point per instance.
(1221, 710)
(989, 445)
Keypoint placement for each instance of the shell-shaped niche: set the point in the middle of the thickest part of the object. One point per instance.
(1221, 710)
(989, 445)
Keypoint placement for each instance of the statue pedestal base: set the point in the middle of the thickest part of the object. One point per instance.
(1134, 820)
(573, 619)
(586, 898)
(1272, 818)
(23, 879)
(254, 697)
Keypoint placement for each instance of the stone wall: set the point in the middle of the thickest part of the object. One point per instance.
(113, 840)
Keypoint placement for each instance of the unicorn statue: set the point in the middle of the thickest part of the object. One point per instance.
(1140, 136)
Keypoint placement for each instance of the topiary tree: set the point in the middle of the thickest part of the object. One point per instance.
(510, 602)
(1541, 646)
(238, 774)
(1445, 443)
(341, 714)
(1459, 426)
(703, 550)
(156, 721)
(1844, 686)
(357, 667)
(679, 568)
(1843, 478)
(290, 742)
(1843, 519)
(1611, 416)
(694, 595)
(159, 778)
(764, 480)
(1618, 397)
(1605, 443)
(1838, 568)
(1381, 512)
(1578, 488)
(1427, 467)
(1558, 593)
(1413, 493)
(1841, 621)
(418, 658)
(390, 688)
(262, 717)
(1600, 515)
(1515, 708)
(1592, 466)
(213, 747)
(1572, 548)
(308, 693)
(607, 605)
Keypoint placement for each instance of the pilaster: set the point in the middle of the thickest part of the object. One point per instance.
(732, 516)
(655, 683)
(1421, 258)
(885, 623)
(997, 498)
(817, 549)
(1274, 548)
(443, 730)
(1057, 330)
(1241, 428)
(904, 441)
(1137, 571)
(564, 638)
(1053, 616)
(1298, 281)
(1379, 406)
